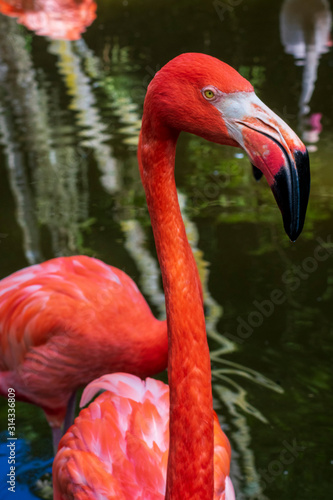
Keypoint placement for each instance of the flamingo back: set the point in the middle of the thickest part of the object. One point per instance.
(66, 322)
(118, 445)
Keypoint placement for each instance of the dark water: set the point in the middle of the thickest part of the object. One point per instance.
(69, 121)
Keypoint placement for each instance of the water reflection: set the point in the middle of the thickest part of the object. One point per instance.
(64, 19)
(89, 122)
(25, 205)
(32, 124)
(305, 27)
(14, 62)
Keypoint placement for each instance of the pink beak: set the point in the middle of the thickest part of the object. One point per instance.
(274, 150)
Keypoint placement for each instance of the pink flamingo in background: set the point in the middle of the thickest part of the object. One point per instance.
(124, 445)
(68, 321)
(64, 19)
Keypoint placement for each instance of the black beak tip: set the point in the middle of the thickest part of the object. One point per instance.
(291, 190)
(292, 233)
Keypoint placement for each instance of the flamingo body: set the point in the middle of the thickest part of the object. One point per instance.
(119, 444)
(64, 19)
(68, 321)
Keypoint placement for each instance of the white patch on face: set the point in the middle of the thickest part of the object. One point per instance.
(245, 106)
(234, 107)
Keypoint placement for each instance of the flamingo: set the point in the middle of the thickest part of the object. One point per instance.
(64, 19)
(66, 322)
(140, 439)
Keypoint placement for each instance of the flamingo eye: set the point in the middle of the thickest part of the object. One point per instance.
(209, 94)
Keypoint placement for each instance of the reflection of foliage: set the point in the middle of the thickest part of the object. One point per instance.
(221, 186)
(58, 170)
(118, 82)
(62, 199)
(328, 293)
(232, 394)
(43, 487)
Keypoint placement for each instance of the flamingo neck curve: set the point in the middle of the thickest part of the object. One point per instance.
(190, 467)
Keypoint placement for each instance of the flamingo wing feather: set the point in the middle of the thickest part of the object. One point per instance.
(126, 428)
(128, 435)
(66, 322)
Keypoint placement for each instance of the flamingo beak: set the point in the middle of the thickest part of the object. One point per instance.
(274, 151)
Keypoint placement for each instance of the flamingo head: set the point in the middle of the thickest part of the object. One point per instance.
(199, 94)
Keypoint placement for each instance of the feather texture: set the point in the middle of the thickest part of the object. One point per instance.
(118, 445)
(66, 322)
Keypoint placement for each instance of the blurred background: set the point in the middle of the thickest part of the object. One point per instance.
(72, 84)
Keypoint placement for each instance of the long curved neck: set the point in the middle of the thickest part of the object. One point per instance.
(190, 467)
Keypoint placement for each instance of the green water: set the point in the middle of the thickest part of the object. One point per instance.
(69, 121)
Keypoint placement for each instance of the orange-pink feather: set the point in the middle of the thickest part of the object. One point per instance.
(68, 321)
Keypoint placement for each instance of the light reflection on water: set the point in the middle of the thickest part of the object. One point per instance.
(306, 34)
(69, 121)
